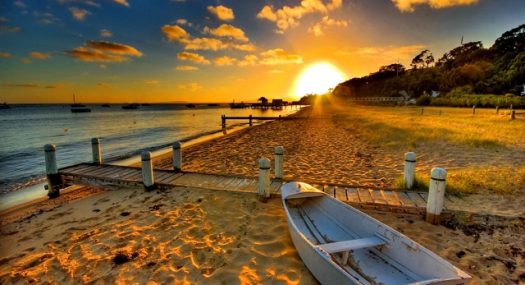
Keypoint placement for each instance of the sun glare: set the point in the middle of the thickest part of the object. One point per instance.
(317, 78)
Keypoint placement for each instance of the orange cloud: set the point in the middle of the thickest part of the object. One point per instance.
(79, 14)
(190, 86)
(279, 56)
(226, 30)
(174, 32)
(122, 2)
(225, 60)
(186, 68)
(152, 82)
(288, 17)
(195, 57)
(318, 28)
(408, 5)
(104, 51)
(222, 12)
(5, 55)
(248, 60)
(106, 33)
(204, 44)
(39, 55)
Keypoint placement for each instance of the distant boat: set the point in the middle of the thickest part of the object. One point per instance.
(213, 105)
(133, 106)
(5, 106)
(190, 105)
(105, 105)
(79, 108)
(342, 245)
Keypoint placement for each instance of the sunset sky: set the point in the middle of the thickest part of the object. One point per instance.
(218, 51)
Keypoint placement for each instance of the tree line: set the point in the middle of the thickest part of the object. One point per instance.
(466, 75)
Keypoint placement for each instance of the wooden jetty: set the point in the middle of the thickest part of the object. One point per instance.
(361, 197)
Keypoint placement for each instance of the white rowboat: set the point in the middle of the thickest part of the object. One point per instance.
(342, 245)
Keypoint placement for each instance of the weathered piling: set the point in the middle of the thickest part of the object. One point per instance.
(177, 157)
(264, 179)
(279, 161)
(96, 150)
(147, 171)
(54, 182)
(436, 195)
(513, 114)
(250, 120)
(410, 169)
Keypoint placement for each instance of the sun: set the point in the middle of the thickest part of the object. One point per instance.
(317, 78)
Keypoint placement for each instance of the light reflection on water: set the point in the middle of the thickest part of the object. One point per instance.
(24, 130)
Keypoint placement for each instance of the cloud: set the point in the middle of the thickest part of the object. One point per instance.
(195, 57)
(279, 56)
(226, 30)
(192, 87)
(248, 60)
(174, 32)
(122, 2)
(222, 12)
(99, 51)
(318, 28)
(152, 82)
(409, 5)
(20, 4)
(25, 61)
(184, 22)
(106, 33)
(82, 2)
(204, 44)
(390, 52)
(31, 85)
(39, 55)
(45, 18)
(3, 20)
(289, 16)
(187, 68)
(10, 29)
(79, 14)
(103, 85)
(224, 60)
(5, 55)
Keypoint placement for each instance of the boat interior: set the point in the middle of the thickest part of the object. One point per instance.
(352, 242)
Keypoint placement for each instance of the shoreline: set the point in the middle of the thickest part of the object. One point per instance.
(36, 192)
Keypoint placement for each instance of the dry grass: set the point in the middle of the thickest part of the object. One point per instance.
(488, 143)
(405, 127)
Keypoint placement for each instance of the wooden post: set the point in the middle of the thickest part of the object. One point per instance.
(96, 150)
(436, 195)
(223, 123)
(279, 160)
(440, 112)
(177, 157)
(410, 169)
(147, 171)
(513, 114)
(497, 110)
(53, 178)
(473, 109)
(422, 110)
(264, 179)
(250, 120)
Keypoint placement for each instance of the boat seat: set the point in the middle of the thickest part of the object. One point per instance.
(347, 245)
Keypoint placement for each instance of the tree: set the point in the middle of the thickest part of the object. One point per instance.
(459, 55)
(422, 60)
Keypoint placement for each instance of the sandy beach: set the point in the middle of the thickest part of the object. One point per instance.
(196, 236)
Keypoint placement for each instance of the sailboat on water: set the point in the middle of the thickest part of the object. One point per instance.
(79, 108)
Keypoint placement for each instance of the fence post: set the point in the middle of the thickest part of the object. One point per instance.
(96, 150)
(410, 168)
(436, 195)
(513, 114)
(147, 171)
(497, 110)
(53, 178)
(422, 110)
(177, 157)
(223, 123)
(264, 179)
(250, 120)
(279, 160)
(473, 109)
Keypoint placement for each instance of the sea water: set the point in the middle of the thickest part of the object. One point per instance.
(24, 130)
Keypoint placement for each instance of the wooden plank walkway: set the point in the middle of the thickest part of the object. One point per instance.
(364, 198)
